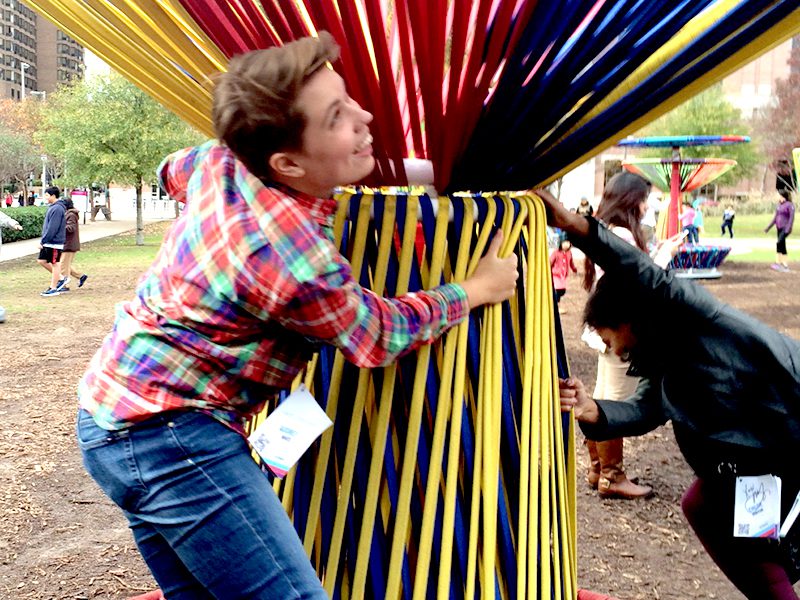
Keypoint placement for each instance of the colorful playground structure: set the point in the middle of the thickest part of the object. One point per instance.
(679, 176)
(451, 474)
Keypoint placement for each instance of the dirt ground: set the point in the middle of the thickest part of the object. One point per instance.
(60, 538)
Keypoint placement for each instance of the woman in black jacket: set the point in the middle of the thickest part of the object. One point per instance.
(729, 384)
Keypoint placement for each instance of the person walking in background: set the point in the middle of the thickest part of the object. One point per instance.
(9, 200)
(584, 209)
(622, 207)
(72, 244)
(698, 222)
(687, 223)
(9, 223)
(650, 219)
(561, 263)
(727, 220)
(783, 222)
(54, 234)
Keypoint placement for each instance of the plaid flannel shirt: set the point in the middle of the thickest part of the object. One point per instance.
(244, 277)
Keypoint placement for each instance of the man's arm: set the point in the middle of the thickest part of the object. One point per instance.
(6, 221)
(176, 169)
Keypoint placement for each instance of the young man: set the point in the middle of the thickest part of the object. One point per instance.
(54, 234)
(246, 281)
(729, 384)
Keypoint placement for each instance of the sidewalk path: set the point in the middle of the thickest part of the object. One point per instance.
(89, 232)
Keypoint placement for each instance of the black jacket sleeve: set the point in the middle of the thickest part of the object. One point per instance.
(640, 413)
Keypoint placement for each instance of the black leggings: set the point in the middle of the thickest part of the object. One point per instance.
(781, 245)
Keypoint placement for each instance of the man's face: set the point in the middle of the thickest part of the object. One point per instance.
(49, 198)
(620, 341)
(337, 145)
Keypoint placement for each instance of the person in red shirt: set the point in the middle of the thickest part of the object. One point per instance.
(246, 284)
(561, 264)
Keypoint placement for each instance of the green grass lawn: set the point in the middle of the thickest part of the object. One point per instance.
(112, 263)
(758, 255)
(744, 226)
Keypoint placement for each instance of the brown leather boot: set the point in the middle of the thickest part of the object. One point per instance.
(593, 472)
(613, 483)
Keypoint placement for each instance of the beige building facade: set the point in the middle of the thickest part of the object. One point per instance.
(35, 56)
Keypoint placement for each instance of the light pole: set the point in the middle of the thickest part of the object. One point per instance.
(23, 66)
(44, 173)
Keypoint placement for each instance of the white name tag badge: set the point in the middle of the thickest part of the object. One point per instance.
(289, 430)
(757, 508)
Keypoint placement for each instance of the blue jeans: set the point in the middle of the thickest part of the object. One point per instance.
(204, 516)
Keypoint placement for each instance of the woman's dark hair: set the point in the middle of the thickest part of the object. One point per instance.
(69, 203)
(613, 303)
(620, 207)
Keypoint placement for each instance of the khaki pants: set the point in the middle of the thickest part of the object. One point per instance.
(612, 381)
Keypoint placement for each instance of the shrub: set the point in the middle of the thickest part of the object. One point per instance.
(30, 217)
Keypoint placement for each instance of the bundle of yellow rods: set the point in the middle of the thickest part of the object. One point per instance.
(434, 489)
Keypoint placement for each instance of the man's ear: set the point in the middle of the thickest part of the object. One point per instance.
(284, 166)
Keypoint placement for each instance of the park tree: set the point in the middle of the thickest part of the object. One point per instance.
(22, 117)
(19, 159)
(778, 123)
(106, 130)
(709, 113)
(19, 152)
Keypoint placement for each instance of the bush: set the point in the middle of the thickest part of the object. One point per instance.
(30, 217)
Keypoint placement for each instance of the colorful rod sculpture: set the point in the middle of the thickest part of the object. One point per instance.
(498, 94)
(685, 174)
(448, 476)
(694, 173)
(445, 476)
(679, 175)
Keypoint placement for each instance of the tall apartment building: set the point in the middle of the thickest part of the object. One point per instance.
(34, 52)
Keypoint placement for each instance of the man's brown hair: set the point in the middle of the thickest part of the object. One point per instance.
(254, 109)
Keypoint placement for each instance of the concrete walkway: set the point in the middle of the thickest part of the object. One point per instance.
(89, 232)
